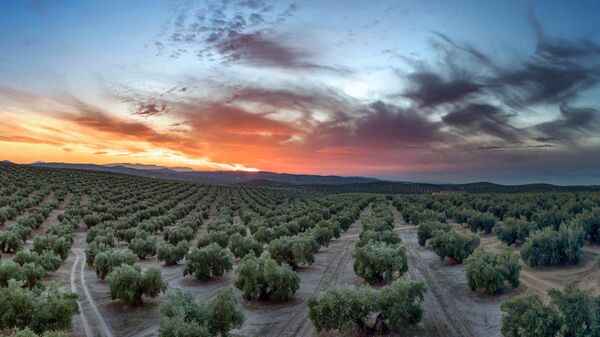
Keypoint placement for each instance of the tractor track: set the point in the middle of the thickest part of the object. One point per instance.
(104, 328)
(454, 316)
(84, 322)
(299, 324)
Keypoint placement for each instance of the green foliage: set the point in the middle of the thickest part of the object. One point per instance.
(294, 251)
(322, 235)
(241, 245)
(548, 247)
(47, 259)
(208, 262)
(10, 241)
(482, 221)
(172, 254)
(490, 271)
(263, 235)
(27, 332)
(54, 310)
(572, 312)
(400, 304)
(93, 249)
(224, 313)
(386, 236)
(589, 221)
(143, 247)
(425, 230)
(219, 237)
(378, 261)
(59, 245)
(454, 245)
(174, 235)
(40, 310)
(513, 230)
(128, 283)
(264, 278)
(345, 309)
(182, 316)
(349, 309)
(30, 273)
(105, 262)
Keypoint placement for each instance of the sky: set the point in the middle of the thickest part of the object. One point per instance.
(435, 91)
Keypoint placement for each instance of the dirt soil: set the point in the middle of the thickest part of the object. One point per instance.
(101, 316)
(451, 308)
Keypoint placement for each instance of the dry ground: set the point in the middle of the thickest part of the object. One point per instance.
(451, 308)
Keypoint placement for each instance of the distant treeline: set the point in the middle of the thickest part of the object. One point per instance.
(422, 188)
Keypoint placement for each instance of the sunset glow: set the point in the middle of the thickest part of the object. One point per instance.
(398, 90)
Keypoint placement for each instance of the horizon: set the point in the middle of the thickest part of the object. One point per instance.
(187, 169)
(502, 92)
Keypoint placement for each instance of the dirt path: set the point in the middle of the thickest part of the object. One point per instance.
(106, 331)
(451, 308)
(83, 319)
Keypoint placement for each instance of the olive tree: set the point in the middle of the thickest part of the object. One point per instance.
(105, 262)
(208, 262)
(386, 236)
(378, 261)
(264, 278)
(10, 241)
(224, 313)
(27, 332)
(172, 254)
(571, 312)
(350, 309)
(345, 309)
(215, 236)
(549, 247)
(513, 230)
(294, 251)
(143, 247)
(490, 271)
(400, 304)
(454, 245)
(40, 310)
(182, 316)
(482, 221)
(241, 245)
(129, 283)
(425, 230)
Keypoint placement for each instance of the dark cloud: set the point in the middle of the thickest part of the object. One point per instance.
(572, 124)
(389, 124)
(432, 90)
(473, 91)
(150, 109)
(483, 119)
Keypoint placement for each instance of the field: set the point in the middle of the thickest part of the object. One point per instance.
(97, 212)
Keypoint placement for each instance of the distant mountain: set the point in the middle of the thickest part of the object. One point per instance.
(390, 187)
(325, 184)
(150, 167)
(213, 177)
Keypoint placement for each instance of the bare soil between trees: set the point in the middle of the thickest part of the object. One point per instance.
(450, 307)
(104, 317)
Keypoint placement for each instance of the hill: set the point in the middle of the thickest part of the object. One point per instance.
(213, 177)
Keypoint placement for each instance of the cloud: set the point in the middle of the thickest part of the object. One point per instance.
(483, 119)
(243, 32)
(432, 90)
(572, 124)
(149, 109)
